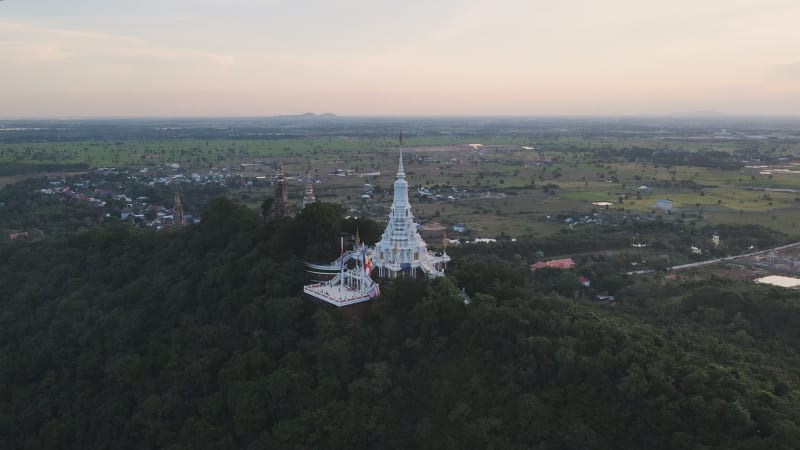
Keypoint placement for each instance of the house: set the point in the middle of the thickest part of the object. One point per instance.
(15, 236)
(432, 231)
(663, 204)
(459, 228)
(555, 264)
(584, 281)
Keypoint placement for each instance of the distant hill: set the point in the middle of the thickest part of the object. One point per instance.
(705, 113)
(308, 115)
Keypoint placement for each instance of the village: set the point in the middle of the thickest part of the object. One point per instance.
(120, 193)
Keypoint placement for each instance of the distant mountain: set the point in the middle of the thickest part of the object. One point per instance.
(308, 115)
(700, 113)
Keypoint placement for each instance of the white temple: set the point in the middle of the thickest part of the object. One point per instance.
(401, 248)
(401, 252)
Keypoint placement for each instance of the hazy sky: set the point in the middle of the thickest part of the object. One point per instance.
(374, 57)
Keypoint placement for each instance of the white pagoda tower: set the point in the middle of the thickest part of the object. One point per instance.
(309, 197)
(401, 249)
(401, 252)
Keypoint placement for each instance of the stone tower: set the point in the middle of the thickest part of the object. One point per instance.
(280, 206)
(177, 213)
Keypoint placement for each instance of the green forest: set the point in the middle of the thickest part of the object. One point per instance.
(116, 337)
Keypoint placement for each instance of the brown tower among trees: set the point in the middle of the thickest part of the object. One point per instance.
(177, 213)
(280, 205)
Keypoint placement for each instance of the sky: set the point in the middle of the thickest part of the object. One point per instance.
(150, 58)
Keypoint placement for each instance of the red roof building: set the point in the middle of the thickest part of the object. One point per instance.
(555, 264)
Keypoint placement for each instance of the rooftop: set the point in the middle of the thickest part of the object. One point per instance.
(779, 280)
(555, 263)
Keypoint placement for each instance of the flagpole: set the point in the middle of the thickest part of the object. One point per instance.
(363, 265)
(341, 261)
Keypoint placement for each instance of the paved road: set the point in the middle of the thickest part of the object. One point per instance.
(718, 260)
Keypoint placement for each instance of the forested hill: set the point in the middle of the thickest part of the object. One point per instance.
(119, 338)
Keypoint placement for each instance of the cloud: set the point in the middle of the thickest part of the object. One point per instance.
(166, 53)
(787, 72)
(52, 52)
(43, 43)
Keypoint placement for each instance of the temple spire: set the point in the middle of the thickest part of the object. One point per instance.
(400, 170)
(309, 196)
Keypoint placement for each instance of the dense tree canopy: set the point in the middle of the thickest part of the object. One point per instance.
(120, 338)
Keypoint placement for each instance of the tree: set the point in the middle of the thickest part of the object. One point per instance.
(317, 231)
(369, 230)
(266, 206)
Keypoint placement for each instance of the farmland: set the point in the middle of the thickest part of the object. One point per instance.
(500, 178)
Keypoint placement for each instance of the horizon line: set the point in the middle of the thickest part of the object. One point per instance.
(673, 115)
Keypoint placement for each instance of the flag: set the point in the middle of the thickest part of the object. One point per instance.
(365, 260)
